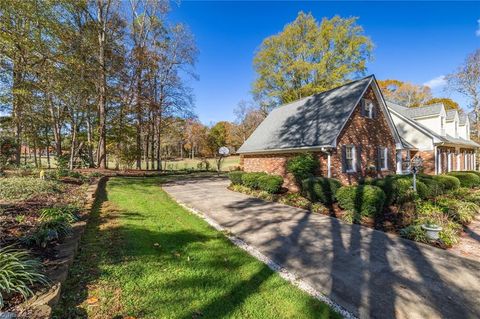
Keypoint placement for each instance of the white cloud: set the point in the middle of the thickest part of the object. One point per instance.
(437, 82)
(478, 30)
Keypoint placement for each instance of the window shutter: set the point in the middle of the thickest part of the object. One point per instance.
(379, 157)
(362, 107)
(387, 158)
(344, 159)
(374, 111)
(358, 151)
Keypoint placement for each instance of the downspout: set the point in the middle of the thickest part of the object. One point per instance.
(329, 165)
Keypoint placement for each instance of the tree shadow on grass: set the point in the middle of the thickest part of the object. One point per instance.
(141, 251)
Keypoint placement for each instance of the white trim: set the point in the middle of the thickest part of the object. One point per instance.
(458, 159)
(439, 155)
(398, 158)
(384, 165)
(329, 165)
(449, 161)
(289, 150)
(354, 159)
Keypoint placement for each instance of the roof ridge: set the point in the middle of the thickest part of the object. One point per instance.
(323, 92)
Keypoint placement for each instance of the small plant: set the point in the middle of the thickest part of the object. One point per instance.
(236, 177)
(270, 183)
(20, 218)
(18, 272)
(48, 231)
(303, 166)
(68, 213)
(295, 200)
(319, 208)
(462, 212)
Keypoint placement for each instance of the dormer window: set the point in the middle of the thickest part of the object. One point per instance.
(368, 109)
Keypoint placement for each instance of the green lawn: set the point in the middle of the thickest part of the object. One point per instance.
(145, 256)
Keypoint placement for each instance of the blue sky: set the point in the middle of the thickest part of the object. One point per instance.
(414, 41)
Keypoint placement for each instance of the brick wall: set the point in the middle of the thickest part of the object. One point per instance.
(428, 158)
(359, 130)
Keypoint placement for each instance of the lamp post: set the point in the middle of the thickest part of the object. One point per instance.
(417, 164)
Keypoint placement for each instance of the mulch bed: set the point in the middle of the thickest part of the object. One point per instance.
(20, 218)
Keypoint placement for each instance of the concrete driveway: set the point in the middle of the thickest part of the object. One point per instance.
(369, 273)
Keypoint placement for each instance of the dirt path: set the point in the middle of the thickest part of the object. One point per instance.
(469, 245)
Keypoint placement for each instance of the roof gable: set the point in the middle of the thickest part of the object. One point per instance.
(315, 121)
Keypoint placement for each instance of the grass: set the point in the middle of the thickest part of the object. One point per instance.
(144, 256)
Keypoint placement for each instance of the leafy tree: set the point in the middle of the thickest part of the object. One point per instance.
(405, 93)
(8, 149)
(466, 80)
(308, 57)
(448, 103)
(248, 117)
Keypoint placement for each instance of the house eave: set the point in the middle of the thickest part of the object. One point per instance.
(321, 148)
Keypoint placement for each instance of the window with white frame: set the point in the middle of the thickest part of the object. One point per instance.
(368, 108)
(350, 158)
(383, 158)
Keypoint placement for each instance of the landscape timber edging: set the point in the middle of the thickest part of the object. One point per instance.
(41, 304)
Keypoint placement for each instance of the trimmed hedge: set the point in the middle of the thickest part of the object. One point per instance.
(251, 179)
(320, 189)
(448, 183)
(399, 188)
(236, 177)
(270, 183)
(363, 200)
(466, 179)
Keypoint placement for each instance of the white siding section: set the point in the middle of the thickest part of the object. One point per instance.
(412, 135)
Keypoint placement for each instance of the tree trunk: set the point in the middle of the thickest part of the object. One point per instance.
(102, 100)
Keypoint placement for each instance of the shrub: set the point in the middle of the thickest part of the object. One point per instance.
(251, 179)
(318, 208)
(236, 177)
(17, 273)
(474, 172)
(19, 188)
(466, 179)
(270, 183)
(399, 188)
(414, 232)
(429, 213)
(320, 189)
(448, 183)
(241, 189)
(363, 200)
(302, 166)
(434, 187)
(48, 231)
(462, 212)
(295, 200)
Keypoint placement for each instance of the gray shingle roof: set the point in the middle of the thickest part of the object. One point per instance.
(402, 110)
(418, 112)
(451, 114)
(314, 121)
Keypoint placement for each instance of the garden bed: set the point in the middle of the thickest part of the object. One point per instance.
(36, 217)
(450, 201)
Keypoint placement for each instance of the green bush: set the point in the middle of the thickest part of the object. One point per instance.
(363, 200)
(474, 172)
(251, 179)
(294, 199)
(414, 232)
(449, 183)
(466, 179)
(18, 272)
(303, 166)
(49, 231)
(270, 183)
(236, 177)
(320, 189)
(19, 188)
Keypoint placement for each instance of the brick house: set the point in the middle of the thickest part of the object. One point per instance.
(355, 133)
(348, 128)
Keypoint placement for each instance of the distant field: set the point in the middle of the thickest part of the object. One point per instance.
(228, 163)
